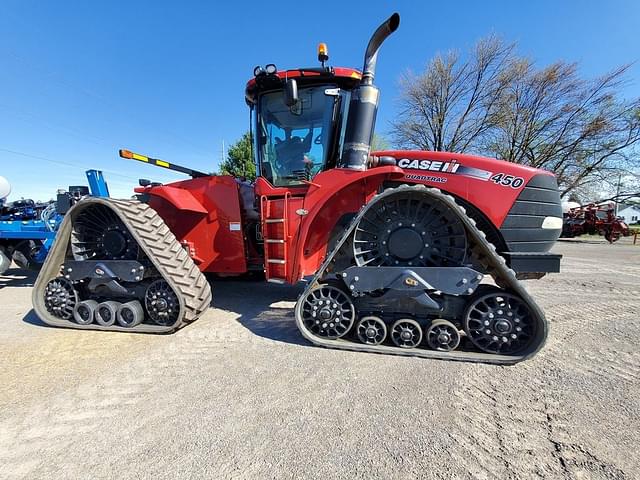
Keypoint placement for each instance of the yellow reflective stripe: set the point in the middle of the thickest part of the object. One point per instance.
(142, 158)
(162, 163)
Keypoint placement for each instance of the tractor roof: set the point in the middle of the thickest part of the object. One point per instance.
(343, 77)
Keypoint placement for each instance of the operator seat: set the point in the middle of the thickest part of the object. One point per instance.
(248, 199)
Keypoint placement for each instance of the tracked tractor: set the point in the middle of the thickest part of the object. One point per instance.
(403, 252)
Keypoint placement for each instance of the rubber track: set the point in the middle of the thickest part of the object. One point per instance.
(158, 243)
(483, 252)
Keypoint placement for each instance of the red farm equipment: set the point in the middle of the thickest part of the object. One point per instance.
(403, 252)
(596, 219)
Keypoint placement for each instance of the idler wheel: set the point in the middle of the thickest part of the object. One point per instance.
(60, 298)
(406, 333)
(328, 312)
(106, 313)
(84, 313)
(130, 314)
(371, 330)
(161, 303)
(499, 322)
(443, 336)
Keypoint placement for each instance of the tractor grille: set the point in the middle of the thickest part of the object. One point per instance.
(522, 228)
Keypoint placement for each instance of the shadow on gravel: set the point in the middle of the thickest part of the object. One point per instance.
(32, 319)
(16, 277)
(253, 301)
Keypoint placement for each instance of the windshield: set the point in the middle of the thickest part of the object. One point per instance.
(295, 141)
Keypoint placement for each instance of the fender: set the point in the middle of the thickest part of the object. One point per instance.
(180, 198)
(205, 216)
(350, 189)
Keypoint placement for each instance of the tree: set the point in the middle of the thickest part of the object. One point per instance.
(576, 128)
(499, 104)
(453, 103)
(379, 143)
(239, 162)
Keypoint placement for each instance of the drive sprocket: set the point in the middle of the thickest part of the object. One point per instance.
(407, 228)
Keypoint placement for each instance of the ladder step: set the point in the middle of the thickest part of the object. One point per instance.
(274, 220)
(273, 240)
(279, 261)
(277, 280)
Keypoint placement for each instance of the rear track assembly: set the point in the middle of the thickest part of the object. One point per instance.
(117, 266)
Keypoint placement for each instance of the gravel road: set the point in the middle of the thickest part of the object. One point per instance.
(240, 394)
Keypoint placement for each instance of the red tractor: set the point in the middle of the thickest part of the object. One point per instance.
(403, 252)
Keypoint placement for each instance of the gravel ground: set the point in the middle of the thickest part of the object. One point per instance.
(240, 394)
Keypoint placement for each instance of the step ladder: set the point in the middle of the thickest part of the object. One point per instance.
(275, 233)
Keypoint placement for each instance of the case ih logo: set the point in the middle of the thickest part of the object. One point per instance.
(430, 165)
(443, 167)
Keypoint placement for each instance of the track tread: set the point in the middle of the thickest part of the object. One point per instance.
(162, 248)
(483, 252)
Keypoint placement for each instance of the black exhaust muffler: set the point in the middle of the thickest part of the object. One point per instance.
(364, 103)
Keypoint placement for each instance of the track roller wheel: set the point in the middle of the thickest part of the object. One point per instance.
(499, 322)
(443, 336)
(327, 311)
(162, 303)
(106, 313)
(130, 314)
(371, 330)
(406, 333)
(84, 313)
(60, 298)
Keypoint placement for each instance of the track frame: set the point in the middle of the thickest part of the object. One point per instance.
(482, 250)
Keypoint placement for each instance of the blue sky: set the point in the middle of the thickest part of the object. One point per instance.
(78, 80)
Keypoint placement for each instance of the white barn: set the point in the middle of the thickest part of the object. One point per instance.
(630, 214)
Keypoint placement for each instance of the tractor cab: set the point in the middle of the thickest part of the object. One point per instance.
(298, 121)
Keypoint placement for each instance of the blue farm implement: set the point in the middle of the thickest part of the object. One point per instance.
(27, 242)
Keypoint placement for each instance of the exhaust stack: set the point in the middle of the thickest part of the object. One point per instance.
(364, 102)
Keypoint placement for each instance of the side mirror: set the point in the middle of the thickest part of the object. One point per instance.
(291, 92)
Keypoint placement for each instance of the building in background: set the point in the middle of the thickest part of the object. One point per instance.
(630, 214)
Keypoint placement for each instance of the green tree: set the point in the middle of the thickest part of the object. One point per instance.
(379, 143)
(239, 162)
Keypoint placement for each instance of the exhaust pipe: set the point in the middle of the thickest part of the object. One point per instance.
(371, 55)
(364, 102)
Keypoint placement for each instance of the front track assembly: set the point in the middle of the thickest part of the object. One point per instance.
(115, 265)
(414, 287)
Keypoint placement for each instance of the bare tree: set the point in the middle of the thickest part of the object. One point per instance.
(453, 104)
(502, 105)
(553, 119)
